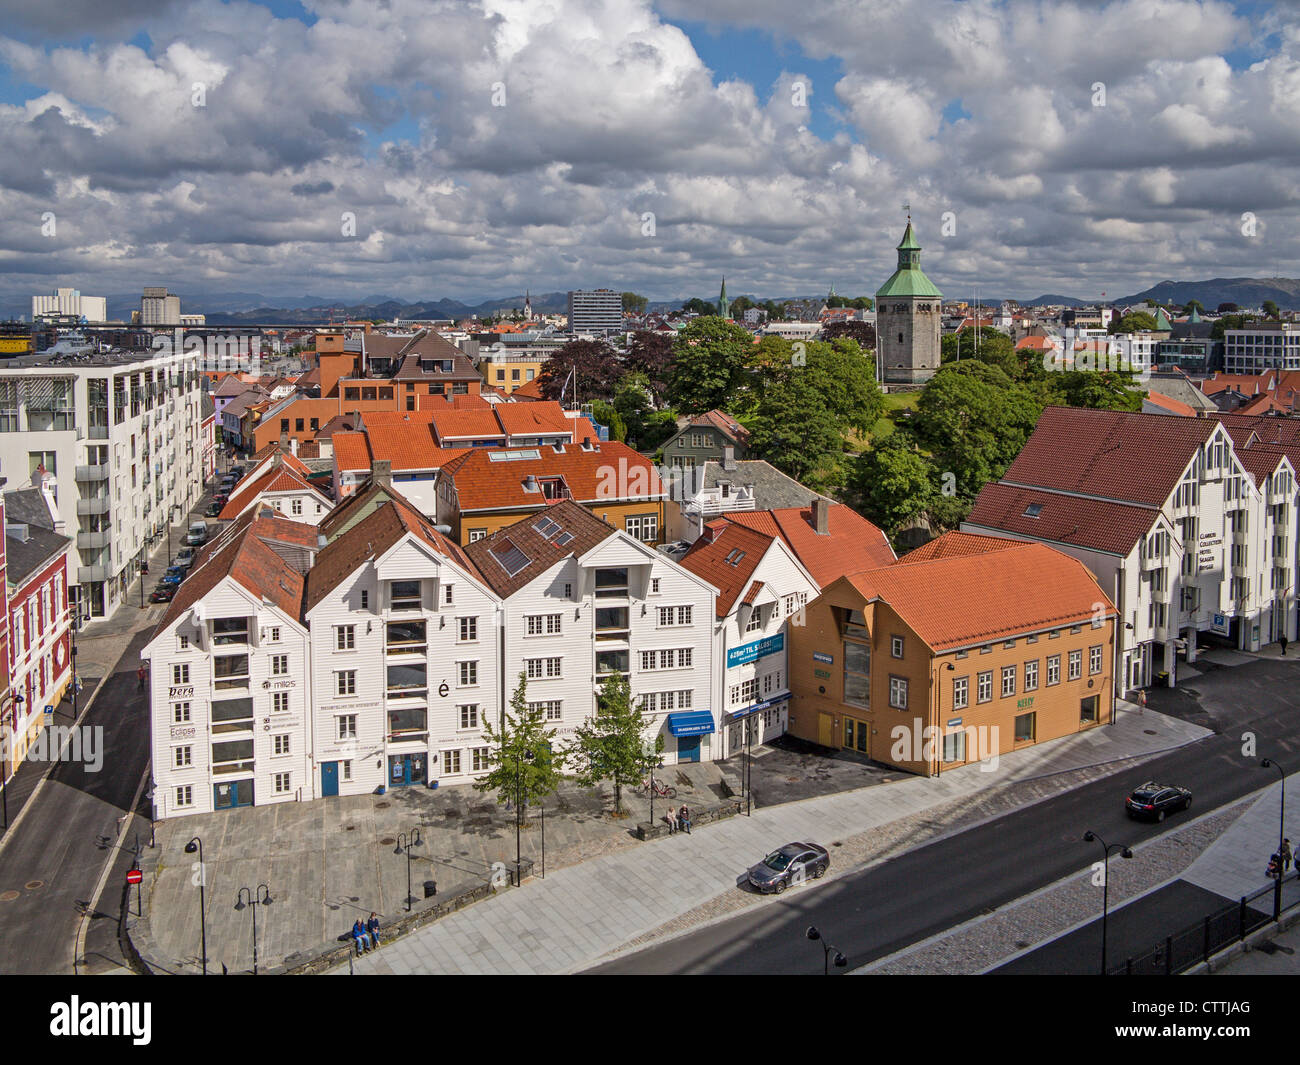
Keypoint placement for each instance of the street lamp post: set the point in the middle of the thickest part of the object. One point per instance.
(827, 950)
(193, 845)
(405, 842)
(262, 895)
(529, 756)
(1090, 837)
(1268, 763)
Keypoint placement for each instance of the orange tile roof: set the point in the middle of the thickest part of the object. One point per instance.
(964, 600)
(532, 419)
(456, 426)
(850, 544)
(351, 451)
(529, 390)
(279, 478)
(1036, 342)
(1173, 406)
(606, 474)
(954, 544)
(407, 446)
(708, 558)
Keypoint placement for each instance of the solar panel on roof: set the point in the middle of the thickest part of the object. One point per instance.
(548, 527)
(509, 557)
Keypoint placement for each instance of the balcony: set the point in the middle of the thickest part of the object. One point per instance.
(91, 574)
(1241, 536)
(1161, 595)
(1152, 561)
(92, 505)
(92, 473)
(93, 541)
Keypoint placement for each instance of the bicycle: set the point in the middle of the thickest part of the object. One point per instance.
(664, 791)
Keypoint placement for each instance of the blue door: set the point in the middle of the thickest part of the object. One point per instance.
(329, 778)
(688, 748)
(235, 793)
(406, 769)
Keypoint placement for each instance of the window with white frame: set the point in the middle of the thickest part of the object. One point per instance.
(1076, 664)
(542, 624)
(182, 757)
(184, 796)
(296, 507)
(772, 682)
(273, 634)
(450, 763)
(755, 621)
(898, 692)
(468, 713)
(672, 616)
(282, 784)
(660, 702)
(181, 673)
(479, 759)
(346, 773)
(1008, 681)
(643, 527)
(960, 693)
(1053, 670)
(345, 682)
(468, 629)
(347, 726)
(1094, 659)
(182, 643)
(984, 686)
(279, 665)
(540, 668)
(673, 658)
(279, 701)
(180, 713)
(345, 637)
(467, 673)
(896, 646)
(280, 743)
(1031, 675)
(550, 709)
(744, 692)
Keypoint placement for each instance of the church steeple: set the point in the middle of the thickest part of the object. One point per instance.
(528, 306)
(724, 305)
(909, 249)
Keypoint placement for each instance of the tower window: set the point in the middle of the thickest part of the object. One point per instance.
(900, 338)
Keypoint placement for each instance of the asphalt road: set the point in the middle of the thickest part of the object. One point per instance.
(877, 911)
(65, 837)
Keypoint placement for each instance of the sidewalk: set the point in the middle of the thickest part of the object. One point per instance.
(580, 915)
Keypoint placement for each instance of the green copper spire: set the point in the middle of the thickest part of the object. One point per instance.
(1163, 324)
(1194, 316)
(909, 279)
(724, 306)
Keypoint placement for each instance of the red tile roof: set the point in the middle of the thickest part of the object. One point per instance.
(723, 541)
(406, 446)
(606, 474)
(850, 544)
(1100, 525)
(533, 419)
(1109, 454)
(540, 552)
(454, 427)
(1173, 406)
(724, 422)
(279, 478)
(964, 600)
(954, 544)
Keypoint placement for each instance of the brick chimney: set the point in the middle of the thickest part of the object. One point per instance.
(821, 509)
(381, 472)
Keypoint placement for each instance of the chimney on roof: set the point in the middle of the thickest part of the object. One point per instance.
(293, 447)
(16, 531)
(728, 457)
(821, 509)
(284, 438)
(321, 541)
(381, 472)
(530, 483)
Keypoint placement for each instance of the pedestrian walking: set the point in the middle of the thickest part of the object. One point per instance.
(1142, 700)
(671, 818)
(372, 930)
(1286, 855)
(1282, 640)
(139, 676)
(684, 819)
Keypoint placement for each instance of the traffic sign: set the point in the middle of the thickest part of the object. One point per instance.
(134, 876)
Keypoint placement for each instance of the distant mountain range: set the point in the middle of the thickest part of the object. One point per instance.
(249, 308)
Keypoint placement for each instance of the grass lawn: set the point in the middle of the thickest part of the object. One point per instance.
(894, 403)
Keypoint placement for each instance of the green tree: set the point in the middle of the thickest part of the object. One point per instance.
(612, 744)
(634, 303)
(793, 429)
(710, 365)
(974, 420)
(605, 414)
(523, 762)
(1229, 321)
(646, 428)
(1270, 309)
(1097, 389)
(1135, 322)
(594, 366)
(892, 483)
(1226, 308)
(864, 333)
(695, 305)
(740, 305)
(651, 354)
(1194, 305)
(995, 348)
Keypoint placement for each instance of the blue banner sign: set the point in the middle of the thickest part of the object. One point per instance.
(751, 652)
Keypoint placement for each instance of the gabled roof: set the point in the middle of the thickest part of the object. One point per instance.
(534, 419)
(244, 554)
(963, 600)
(455, 427)
(406, 446)
(955, 544)
(1162, 404)
(723, 422)
(512, 557)
(773, 490)
(280, 477)
(851, 543)
(1041, 514)
(1117, 455)
(486, 478)
(726, 556)
(529, 390)
(371, 537)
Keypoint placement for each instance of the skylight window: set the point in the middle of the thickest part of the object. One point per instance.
(514, 456)
(547, 527)
(564, 538)
(1033, 510)
(509, 557)
(733, 559)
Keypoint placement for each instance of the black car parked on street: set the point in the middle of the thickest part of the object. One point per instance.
(1153, 801)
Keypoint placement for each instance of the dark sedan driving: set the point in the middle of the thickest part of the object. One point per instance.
(791, 864)
(1153, 801)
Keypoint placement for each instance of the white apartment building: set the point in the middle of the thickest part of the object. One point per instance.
(1260, 347)
(583, 601)
(117, 439)
(1188, 534)
(389, 588)
(762, 587)
(68, 301)
(595, 311)
(229, 678)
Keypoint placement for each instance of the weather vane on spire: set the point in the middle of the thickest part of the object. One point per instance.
(908, 208)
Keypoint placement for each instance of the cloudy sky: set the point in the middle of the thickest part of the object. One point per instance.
(483, 147)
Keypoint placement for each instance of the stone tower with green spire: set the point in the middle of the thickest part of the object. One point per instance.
(908, 319)
(724, 305)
